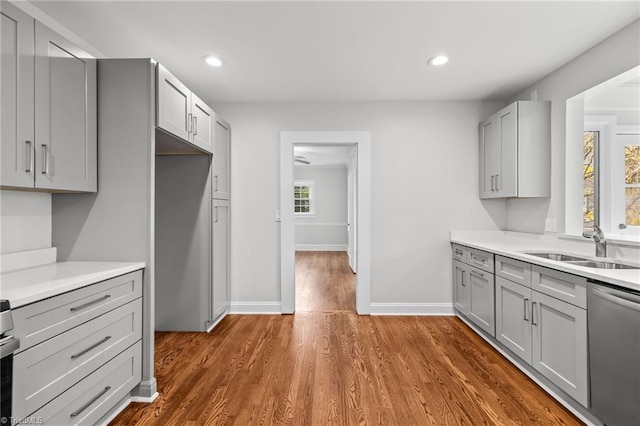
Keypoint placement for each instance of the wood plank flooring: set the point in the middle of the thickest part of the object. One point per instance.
(338, 368)
(324, 282)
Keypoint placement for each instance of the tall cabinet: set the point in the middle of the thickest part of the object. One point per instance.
(49, 108)
(221, 204)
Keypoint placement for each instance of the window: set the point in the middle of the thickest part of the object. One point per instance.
(303, 197)
(590, 180)
(632, 184)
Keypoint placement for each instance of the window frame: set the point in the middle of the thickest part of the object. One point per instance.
(311, 184)
(618, 211)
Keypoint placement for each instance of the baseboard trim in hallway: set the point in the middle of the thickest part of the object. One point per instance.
(419, 309)
(255, 308)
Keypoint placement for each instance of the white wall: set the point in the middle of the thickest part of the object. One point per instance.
(424, 183)
(615, 55)
(327, 229)
(25, 221)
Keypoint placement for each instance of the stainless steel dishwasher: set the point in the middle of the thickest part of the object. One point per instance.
(614, 353)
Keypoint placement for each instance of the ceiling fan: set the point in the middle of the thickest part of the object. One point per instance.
(301, 159)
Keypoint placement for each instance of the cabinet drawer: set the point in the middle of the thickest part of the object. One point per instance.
(513, 270)
(459, 253)
(57, 364)
(93, 397)
(43, 320)
(480, 259)
(563, 286)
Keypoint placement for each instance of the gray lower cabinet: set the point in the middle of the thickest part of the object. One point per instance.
(513, 317)
(473, 286)
(88, 361)
(560, 344)
(547, 332)
(481, 300)
(460, 287)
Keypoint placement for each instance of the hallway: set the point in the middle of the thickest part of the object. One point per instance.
(324, 282)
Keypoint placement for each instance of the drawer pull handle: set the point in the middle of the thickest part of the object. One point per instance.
(479, 261)
(476, 273)
(77, 308)
(91, 401)
(95, 345)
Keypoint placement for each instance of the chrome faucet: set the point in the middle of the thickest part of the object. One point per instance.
(601, 241)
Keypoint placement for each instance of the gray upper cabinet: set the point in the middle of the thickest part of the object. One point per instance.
(49, 108)
(66, 114)
(221, 160)
(17, 97)
(181, 113)
(515, 151)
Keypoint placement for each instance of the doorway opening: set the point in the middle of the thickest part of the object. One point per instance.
(324, 200)
(297, 204)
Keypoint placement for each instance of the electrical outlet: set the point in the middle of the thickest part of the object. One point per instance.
(551, 225)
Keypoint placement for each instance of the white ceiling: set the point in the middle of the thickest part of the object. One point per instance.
(349, 50)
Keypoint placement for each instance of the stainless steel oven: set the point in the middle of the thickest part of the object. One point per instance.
(614, 354)
(8, 345)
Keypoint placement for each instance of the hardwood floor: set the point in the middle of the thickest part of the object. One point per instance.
(324, 282)
(320, 368)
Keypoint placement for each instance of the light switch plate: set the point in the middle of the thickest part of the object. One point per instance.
(551, 225)
(277, 215)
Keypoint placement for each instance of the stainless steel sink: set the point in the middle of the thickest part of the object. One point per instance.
(559, 257)
(601, 264)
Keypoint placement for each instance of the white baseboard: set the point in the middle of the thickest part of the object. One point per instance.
(255, 308)
(148, 400)
(321, 247)
(412, 309)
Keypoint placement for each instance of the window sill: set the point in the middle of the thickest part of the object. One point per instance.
(623, 240)
(301, 215)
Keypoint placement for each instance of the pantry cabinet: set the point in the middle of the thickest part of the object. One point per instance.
(220, 262)
(49, 108)
(222, 160)
(515, 151)
(181, 113)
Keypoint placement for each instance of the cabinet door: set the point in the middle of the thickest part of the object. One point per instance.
(507, 123)
(482, 302)
(560, 344)
(202, 126)
(220, 264)
(221, 159)
(17, 73)
(460, 287)
(513, 317)
(489, 158)
(65, 114)
(174, 105)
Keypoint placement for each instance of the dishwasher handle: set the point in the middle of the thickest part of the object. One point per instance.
(628, 300)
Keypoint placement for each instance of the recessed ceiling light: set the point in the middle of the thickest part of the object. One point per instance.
(213, 61)
(439, 60)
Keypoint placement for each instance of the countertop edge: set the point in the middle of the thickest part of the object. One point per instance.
(20, 296)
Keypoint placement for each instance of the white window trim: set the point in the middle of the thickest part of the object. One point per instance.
(623, 134)
(312, 197)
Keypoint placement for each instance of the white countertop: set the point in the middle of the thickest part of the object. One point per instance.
(30, 285)
(513, 245)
